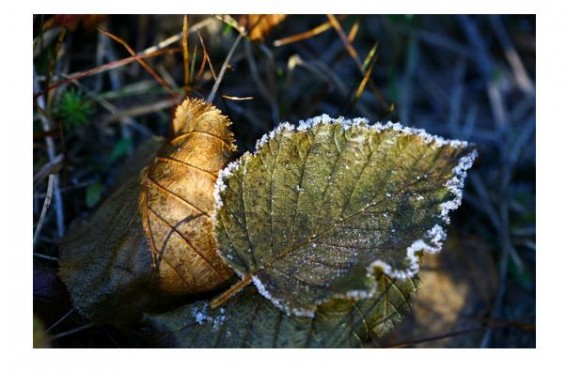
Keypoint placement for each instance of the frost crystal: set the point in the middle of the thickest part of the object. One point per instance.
(436, 235)
(200, 314)
(357, 294)
(220, 185)
(272, 134)
(456, 183)
(403, 274)
(324, 119)
(295, 311)
(218, 320)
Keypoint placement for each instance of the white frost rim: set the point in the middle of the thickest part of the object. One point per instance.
(324, 119)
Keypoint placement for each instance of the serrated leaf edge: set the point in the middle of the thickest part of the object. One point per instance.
(436, 235)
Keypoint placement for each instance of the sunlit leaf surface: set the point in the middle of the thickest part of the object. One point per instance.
(176, 200)
(318, 206)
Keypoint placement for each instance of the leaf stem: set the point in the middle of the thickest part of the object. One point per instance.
(226, 295)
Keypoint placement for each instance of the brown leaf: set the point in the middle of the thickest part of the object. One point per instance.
(259, 25)
(176, 200)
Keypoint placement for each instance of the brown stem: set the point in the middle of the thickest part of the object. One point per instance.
(226, 295)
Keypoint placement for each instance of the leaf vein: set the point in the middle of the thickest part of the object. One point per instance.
(166, 190)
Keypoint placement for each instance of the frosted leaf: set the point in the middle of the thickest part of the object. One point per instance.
(371, 196)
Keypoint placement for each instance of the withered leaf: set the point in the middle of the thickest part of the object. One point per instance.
(259, 25)
(319, 206)
(251, 321)
(177, 200)
(106, 262)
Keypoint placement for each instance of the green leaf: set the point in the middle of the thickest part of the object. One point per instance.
(318, 206)
(251, 321)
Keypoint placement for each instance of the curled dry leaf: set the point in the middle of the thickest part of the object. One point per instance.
(177, 200)
(152, 237)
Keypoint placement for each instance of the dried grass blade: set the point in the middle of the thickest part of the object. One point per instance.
(303, 36)
(146, 66)
(186, 55)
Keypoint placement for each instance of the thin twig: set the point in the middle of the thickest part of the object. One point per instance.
(167, 77)
(72, 331)
(305, 35)
(60, 320)
(142, 110)
(52, 156)
(46, 204)
(354, 54)
(103, 68)
(480, 54)
(272, 83)
(370, 61)
(143, 63)
(116, 82)
(232, 22)
(345, 40)
(206, 56)
(255, 74)
(99, 59)
(186, 55)
(509, 159)
(503, 268)
(521, 75)
(46, 257)
(456, 97)
(485, 65)
(489, 324)
(486, 204)
(231, 97)
(223, 69)
(175, 38)
(49, 168)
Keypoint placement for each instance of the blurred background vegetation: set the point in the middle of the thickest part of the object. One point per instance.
(103, 84)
